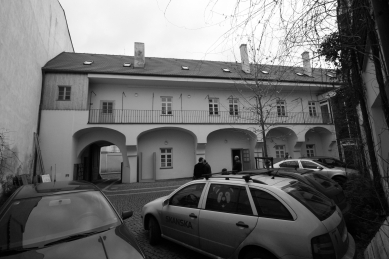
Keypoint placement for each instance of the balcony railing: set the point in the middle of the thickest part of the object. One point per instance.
(97, 116)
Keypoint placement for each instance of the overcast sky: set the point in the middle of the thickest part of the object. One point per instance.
(188, 29)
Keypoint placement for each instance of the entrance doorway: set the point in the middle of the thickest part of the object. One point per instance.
(244, 157)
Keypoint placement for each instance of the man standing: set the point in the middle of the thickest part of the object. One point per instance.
(199, 169)
(207, 167)
(237, 166)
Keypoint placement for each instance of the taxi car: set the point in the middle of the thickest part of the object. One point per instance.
(321, 183)
(66, 219)
(338, 174)
(240, 216)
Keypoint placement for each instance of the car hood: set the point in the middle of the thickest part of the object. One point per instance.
(118, 243)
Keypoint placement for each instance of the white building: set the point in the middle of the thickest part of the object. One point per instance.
(31, 33)
(163, 114)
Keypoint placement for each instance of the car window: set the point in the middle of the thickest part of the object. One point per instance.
(268, 206)
(41, 220)
(291, 164)
(322, 180)
(229, 199)
(317, 203)
(308, 164)
(188, 197)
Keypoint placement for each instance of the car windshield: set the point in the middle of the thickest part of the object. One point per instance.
(37, 221)
(316, 202)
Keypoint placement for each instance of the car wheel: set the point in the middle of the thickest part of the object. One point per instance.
(258, 254)
(340, 180)
(154, 231)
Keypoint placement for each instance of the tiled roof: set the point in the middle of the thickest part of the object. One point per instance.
(69, 62)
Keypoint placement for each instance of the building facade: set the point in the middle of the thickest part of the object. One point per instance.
(32, 33)
(163, 114)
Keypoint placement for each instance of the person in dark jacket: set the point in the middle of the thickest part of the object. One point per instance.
(199, 169)
(237, 166)
(207, 167)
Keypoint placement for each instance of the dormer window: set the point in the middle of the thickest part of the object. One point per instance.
(126, 64)
(88, 62)
(226, 70)
(184, 68)
(331, 75)
(265, 72)
(299, 74)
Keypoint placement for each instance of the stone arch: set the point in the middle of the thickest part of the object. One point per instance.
(324, 141)
(285, 137)
(152, 143)
(91, 140)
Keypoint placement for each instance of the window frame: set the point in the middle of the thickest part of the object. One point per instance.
(281, 108)
(104, 111)
(65, 92)
(164, 156)
(165, 109)
(213, 106)
(312, 150)
(312, 108)
(278, 150)
(182, 189)
(233, 106)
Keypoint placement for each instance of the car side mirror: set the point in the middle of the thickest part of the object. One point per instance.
(320, 168)
(127, 214)
(165, 203)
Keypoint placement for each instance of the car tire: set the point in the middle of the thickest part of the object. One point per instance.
(340, 180)
(154, 232)
(258, 254)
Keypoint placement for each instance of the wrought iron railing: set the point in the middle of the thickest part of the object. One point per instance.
(97, 116)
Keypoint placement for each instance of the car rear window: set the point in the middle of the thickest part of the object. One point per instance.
(321, 206)
(325, 182)
(290, 164)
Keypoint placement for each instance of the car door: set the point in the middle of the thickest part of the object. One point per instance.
(180, 218)
(226, 220)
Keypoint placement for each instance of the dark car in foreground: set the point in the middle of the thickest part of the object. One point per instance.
(323, 184)
(70, 219)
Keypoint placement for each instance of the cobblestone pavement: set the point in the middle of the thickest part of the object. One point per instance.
(132, 197)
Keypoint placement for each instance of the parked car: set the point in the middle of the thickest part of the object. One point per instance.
(246, 217)
(332, 161)
(338, 174)
(323, 184)
(69, 219)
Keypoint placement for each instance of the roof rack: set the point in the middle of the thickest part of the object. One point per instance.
(247, 178)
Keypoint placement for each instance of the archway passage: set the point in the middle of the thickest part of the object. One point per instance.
(280, 143)
(87, 151)
(319, 141)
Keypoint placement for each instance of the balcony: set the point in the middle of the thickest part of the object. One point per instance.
(97, 116)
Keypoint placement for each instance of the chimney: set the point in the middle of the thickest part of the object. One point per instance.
(306, 63)
(245, 58)
(139, 55)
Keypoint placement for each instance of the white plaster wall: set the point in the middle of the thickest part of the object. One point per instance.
(183, 145)
(32, 32)
(218, 152)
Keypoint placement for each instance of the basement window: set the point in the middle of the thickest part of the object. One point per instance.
(126, 64)
(226, 70)
(88, 62)
(184, 68)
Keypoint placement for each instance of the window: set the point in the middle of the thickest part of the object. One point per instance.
(188, 197)
(312, 108)
(107, 107)
(234, 108)
(226, 70)
(166, 105)
(281, 108)
(290, 164)
(310, 150)
(246, 155)
(280, 151)
(214, 106)
(268, 206)
(307, 164)
(166, 158)
(229, 199)
(64, 93)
